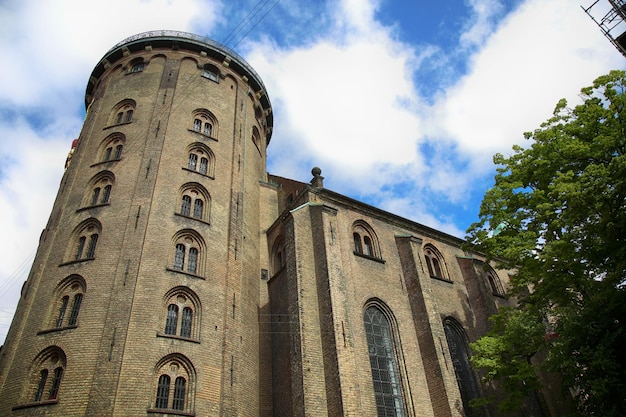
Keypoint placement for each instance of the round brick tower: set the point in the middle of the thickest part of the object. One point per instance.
(143, 298)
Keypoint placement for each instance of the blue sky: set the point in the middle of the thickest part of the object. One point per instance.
(401, 103)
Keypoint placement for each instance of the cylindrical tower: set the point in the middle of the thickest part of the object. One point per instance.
(143, 297)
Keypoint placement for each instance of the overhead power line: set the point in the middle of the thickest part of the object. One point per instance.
(249, 22)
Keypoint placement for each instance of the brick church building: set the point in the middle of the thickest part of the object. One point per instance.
(176, 277)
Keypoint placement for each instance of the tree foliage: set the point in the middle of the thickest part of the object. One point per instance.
(557, 215)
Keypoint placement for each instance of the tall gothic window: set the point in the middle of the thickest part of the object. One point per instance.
(385, 375)
(459, 354)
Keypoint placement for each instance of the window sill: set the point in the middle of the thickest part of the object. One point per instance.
(162, 412)
(77, 261)
(442, 279)
(117, 125)
(105, 162)
(192, 218)
(371, 258)
(199, 173)
(203, 135)
(37, 404)
(57, 329)
(94, 206)
(189, 274)
(173, 336)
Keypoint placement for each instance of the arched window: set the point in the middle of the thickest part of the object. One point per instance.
(185, 207)
(175, 382)
(494, 283)
(85, 238)
(365, 241)
(182, 313)
(123, 112)
(112, 147)
(195, 201)
(137, 65)
(256, 138)
(459, 354)
(46, 375)
(204, 122)
(201, 159)
(434, 263)
(211, 72)
(382, 354)
(69, 298)
(100, 185)
(278, 255)
(188, 247)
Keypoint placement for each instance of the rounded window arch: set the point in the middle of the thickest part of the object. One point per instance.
(435, 263)
(174, 383)
(136, 65)
(205, 123)
(278, 255)
(200, 159)
(494, 282)
(256, 139)
(112, 147)
(383, 346)
(211, 72)
(182, 313)
(188, 252)
(99, 189)
(68, 300)
(45, 376)
(83, 241)
(365, 240)
(195, 202)
(460, 356)
(123, 112)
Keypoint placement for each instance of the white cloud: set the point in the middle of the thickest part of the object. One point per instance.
(542, 52)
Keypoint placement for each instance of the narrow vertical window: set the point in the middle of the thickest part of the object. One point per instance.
(178, 402)
(129, 116)
(367, 244)
(172, 319)
(179, 256)
(107, 153)
(437, 268)
(118, 151)
(78, 299)
(106, 194)
(357, 243)
(204, 165)
(93, 241)
(197, 125)
(41, 386)
(385, 374)
(120, 117)
(207, 129)
(62, 309)
(185, 206)
(95, 195)
(192, 264)
(163, 392)
(192, 162)
(80, 248)
(56, 382)
(185, 325)
(459, 354)
(197, 208)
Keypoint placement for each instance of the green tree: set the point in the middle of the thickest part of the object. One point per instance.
(557, 215)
